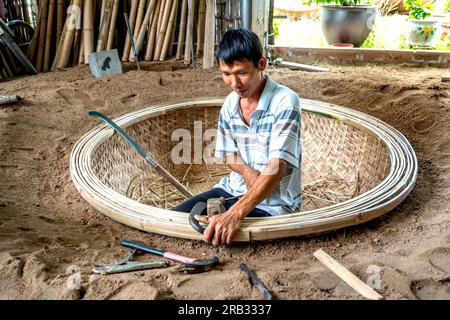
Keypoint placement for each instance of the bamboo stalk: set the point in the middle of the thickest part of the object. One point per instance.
(152, 33)
(88, 30)
(59, 19)
(182, 29)
(112, 27)
(77, 36)
(160, 16)
(189, 32)
(41, 42)
(144, 28)
(48, 35)
(137, 26)
(102, 15)
(71, 20)
(201, 27)
(61, 41)
(169, 33)
(132, 19)
(81, 55)
(208, 48)
(163, 29)
(103, 37)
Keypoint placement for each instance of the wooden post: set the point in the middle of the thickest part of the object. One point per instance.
(208, 49)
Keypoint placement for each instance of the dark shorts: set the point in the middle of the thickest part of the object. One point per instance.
(216, 193)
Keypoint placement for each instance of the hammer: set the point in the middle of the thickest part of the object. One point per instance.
(189, 265)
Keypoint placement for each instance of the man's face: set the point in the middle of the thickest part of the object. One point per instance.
(242, 76)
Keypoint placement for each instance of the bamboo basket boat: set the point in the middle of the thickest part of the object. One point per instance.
(354, 169)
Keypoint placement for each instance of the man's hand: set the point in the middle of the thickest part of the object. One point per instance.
(222, 227)
(250, 175)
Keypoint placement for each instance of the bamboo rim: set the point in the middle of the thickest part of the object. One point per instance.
(377, 201)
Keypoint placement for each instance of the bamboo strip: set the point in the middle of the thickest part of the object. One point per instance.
(71, 24)
(144, 28)
(48, 35)
(189, 32)
(88, 29)
(200, 27)
(41, 42)
(112, 27)
(169, 32)
(208, 49)
(182, 29)
(103, 37)
(163, 29)
(347, 276)
(152, 34)
(131, 19)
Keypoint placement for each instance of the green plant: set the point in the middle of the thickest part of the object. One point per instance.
(339, 2)
(417, 10)
(447, 6)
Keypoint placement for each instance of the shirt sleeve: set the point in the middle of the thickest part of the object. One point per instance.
(285, 137)
(225, 142)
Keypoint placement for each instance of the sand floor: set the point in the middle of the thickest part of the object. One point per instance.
(50, 236)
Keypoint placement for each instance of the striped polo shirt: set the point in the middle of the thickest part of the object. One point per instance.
(274, 132)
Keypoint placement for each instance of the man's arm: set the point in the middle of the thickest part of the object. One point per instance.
(235, 163)
(223, 227)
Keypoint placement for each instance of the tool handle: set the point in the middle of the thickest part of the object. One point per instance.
(197, 210)
(256, 281)
(142, 247)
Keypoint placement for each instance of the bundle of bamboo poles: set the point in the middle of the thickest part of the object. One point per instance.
(69, 30)
(17, 10)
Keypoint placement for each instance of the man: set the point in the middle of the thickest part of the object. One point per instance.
(258, 136)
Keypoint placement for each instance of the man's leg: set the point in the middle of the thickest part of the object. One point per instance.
(216, 193)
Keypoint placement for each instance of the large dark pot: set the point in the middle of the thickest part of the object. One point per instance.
(347, 24)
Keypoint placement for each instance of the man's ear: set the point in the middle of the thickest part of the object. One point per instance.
(262, 63)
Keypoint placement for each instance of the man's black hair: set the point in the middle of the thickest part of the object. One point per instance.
(239, 44)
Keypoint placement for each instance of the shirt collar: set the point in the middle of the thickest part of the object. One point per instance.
(264, 99)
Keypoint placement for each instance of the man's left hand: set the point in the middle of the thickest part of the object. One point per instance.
(222, 227)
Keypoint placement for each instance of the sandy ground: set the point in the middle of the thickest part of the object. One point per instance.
(50, 237)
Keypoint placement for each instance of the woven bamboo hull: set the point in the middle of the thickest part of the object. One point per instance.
(338, 143)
